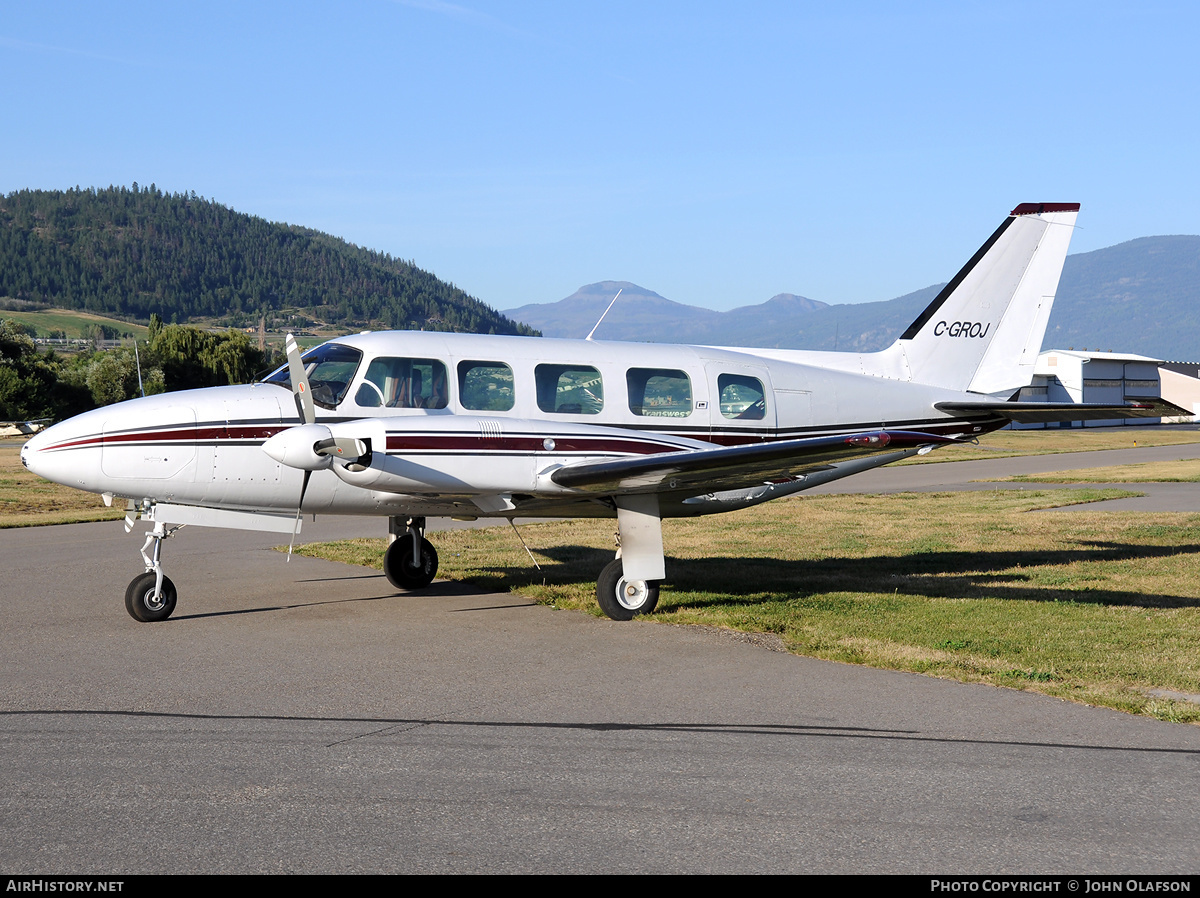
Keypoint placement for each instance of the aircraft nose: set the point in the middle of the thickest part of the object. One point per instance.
(64, 453)
(31, 449)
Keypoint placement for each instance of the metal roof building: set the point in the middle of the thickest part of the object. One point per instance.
(1069, 375)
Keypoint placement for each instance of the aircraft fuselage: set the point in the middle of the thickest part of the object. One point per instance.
(554, 402)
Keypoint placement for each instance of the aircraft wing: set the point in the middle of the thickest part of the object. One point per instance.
(23, 428)
(735, 467)
(1041, 412)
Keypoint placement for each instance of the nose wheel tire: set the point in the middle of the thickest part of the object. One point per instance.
(405, 572)
(141, 602)
(622, 599)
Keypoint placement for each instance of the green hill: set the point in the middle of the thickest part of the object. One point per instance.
(131, 252)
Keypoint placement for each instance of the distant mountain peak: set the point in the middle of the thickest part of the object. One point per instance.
(795, 301)
(608, 289)
(1138, 296)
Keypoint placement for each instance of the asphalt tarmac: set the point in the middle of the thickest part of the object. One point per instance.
(304, 717)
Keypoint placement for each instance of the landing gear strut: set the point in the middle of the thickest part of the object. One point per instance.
(640, 552)
(151, 596)
(411, 562)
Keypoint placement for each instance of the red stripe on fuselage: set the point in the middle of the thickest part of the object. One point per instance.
(474, 442)
(191, 435)
(400, 443)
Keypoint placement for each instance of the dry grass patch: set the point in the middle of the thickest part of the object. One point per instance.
(1185, 470)
(1097, 608)
(27, 500)
(1004, 443)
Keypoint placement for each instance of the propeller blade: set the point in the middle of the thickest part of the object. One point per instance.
(344, 448)
(296, 526)
(299, 378)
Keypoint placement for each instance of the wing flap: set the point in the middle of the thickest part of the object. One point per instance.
(1042, 412)
(734, 467)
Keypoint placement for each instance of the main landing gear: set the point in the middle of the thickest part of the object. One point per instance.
(628, 585)
(151, 596)
(622, 599)
(411, 562)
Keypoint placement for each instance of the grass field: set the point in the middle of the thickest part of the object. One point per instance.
(1005, 443)
(27, 500)
(73, 324)
(1182, 471)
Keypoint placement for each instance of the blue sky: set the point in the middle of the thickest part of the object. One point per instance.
(717, 153)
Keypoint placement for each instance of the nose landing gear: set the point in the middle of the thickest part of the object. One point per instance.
(151, 596)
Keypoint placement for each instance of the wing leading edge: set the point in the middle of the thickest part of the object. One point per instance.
(735, 467)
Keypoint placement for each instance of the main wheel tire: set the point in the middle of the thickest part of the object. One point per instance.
(402, 571)
(141, 602)
(622, 599)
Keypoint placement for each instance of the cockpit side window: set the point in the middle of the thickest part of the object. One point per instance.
(659, 392)
(742, 397)
(403, 383)
(485, 386)
(569, 389)
(330, 368)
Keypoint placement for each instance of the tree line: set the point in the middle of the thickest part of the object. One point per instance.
(37, 383)
(130, 252)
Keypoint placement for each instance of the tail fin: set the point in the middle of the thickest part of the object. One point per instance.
(984, 331)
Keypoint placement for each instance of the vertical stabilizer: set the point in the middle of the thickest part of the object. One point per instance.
(984, 330)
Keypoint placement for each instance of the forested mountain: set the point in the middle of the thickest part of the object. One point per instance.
(1142, 296)
(133, 252)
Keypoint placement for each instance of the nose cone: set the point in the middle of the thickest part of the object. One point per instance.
(67, 453)
(30, 449)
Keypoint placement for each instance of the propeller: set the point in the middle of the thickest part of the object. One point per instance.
(310, 446)
(348, 449)
(307, 412)
(299, 377)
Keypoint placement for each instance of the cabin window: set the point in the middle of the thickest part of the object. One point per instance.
(330, 368)
(659, 392)
(742, 397)
(485, 386)
(569, 389)
(403, 383)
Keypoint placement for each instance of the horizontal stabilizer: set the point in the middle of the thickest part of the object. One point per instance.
(1044, 412)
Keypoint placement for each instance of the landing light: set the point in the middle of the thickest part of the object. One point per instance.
(870, 439)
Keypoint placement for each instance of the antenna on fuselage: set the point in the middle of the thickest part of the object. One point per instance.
(138, 361)
(610, 305)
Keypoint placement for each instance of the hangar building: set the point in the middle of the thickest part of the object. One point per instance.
(1068, 375)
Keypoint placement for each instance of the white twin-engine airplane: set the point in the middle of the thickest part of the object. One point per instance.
(410, 425)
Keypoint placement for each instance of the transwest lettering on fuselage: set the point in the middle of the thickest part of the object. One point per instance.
(407, 425)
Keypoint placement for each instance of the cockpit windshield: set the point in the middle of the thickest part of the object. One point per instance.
(330, 368)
